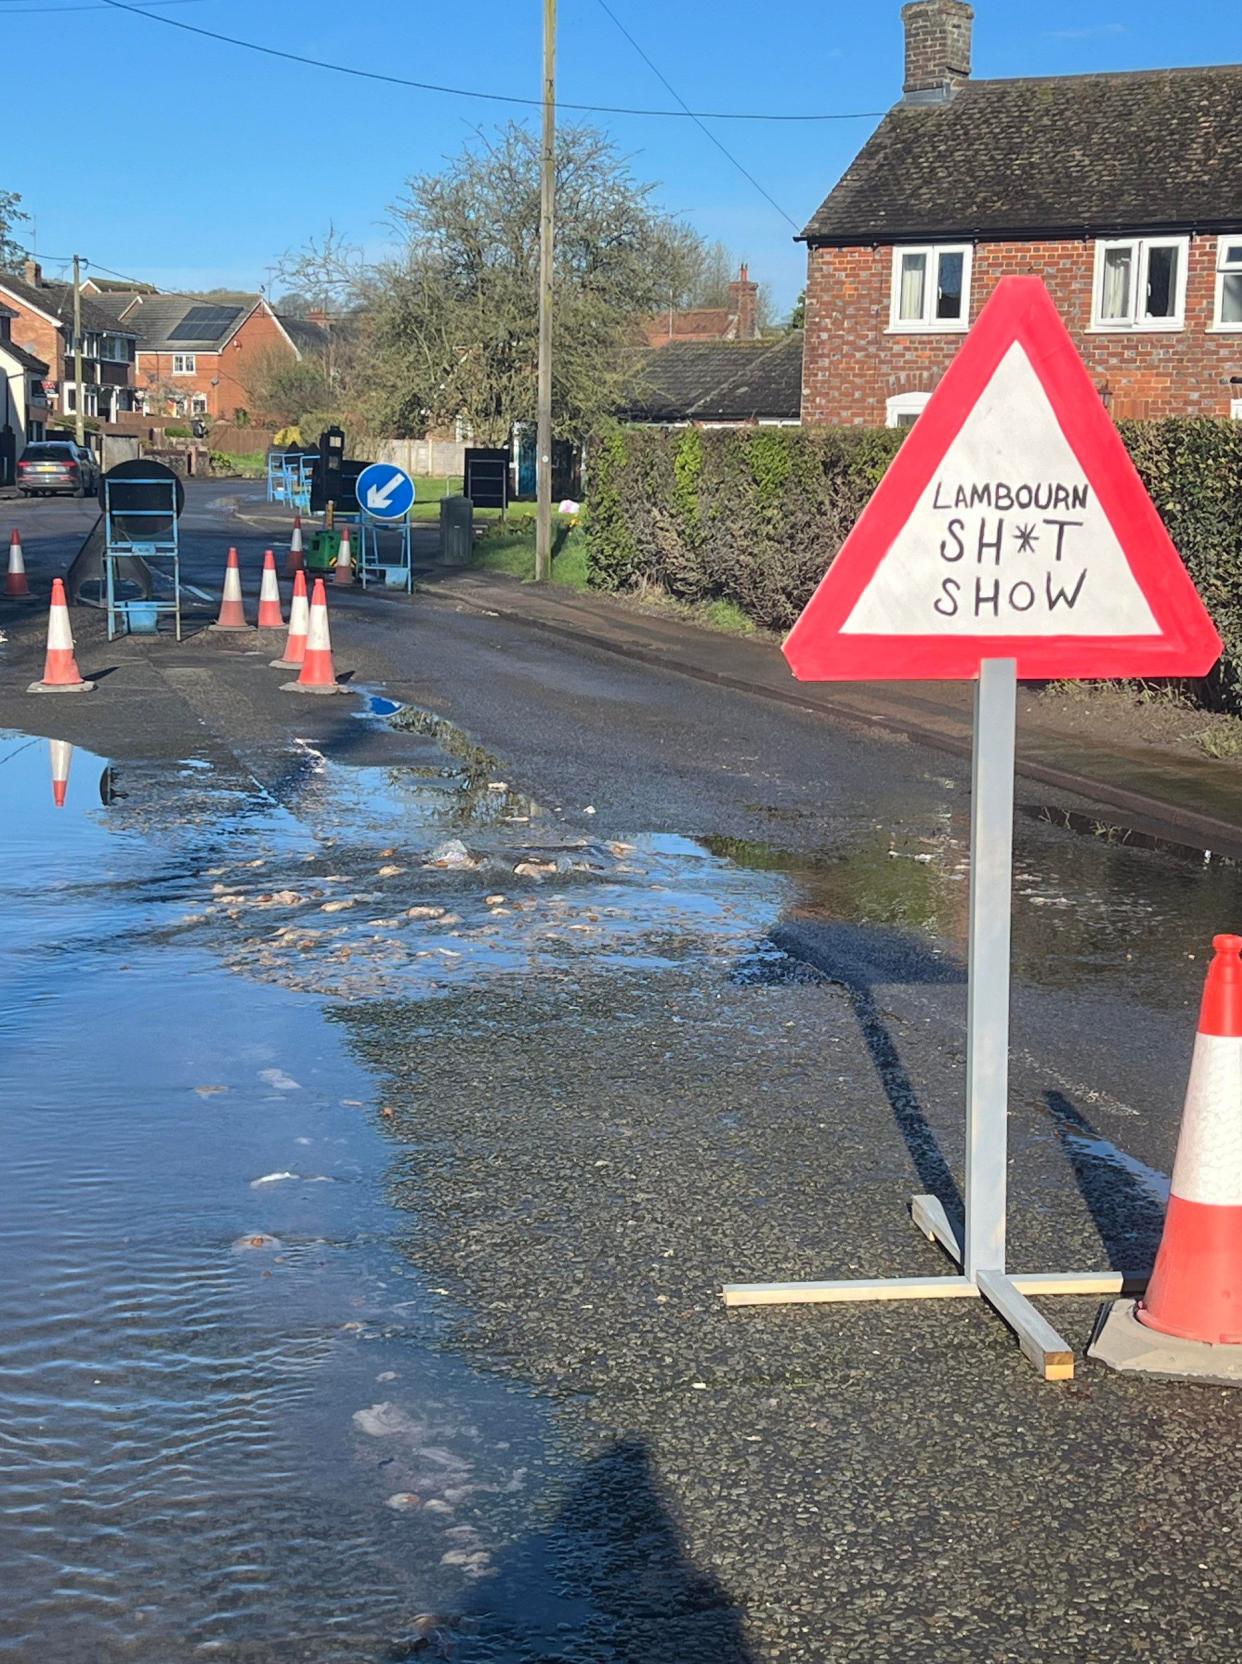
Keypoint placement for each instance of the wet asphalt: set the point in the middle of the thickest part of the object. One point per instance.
(595, 1118)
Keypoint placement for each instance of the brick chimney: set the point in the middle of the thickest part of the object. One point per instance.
(938, 38)
(744, 305)
(32, 271)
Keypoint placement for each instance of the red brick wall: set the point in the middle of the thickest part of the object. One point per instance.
(852, 365)
(36, 335)
(154, 370)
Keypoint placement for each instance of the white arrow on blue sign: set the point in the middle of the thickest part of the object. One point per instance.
(384, 491)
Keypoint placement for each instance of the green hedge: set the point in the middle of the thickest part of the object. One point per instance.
(756, 515)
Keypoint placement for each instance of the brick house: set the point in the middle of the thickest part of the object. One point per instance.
(739, 321)
(1123, 192)
(23, 402)
(42, 325)
(202, 358)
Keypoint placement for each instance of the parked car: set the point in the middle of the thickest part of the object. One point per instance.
(58, 465)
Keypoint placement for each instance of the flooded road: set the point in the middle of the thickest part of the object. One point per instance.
(365, 1129)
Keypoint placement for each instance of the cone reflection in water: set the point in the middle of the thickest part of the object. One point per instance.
(344, 573)
(60, 753)
(16, 585)
(1195, 1291)
(299, 621)
(270, 617)
(318, 672)
(60, 668)
(295, 561)
(232, 613)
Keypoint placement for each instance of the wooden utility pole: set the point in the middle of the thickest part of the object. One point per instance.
(79, 403)
(547, 217)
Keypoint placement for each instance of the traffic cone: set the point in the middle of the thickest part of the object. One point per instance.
(344, 573)
(15, 586)
(232, 613)
(270, 617)
(1189, 1322)
(1195, 1291)
(61, 754)
(299, 618)
(295, 561)
(318, 672)
(60, 668)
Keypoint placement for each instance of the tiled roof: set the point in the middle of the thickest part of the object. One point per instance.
(305, 335)
(180, 323)
(769, 384)
(56, 299)
(1078, 155)
(716, 381)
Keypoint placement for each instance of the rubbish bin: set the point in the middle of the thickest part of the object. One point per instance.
(456, 530)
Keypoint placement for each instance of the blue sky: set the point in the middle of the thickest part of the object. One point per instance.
(191, 163)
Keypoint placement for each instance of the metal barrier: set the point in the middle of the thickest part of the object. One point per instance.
(389, 563)
(140, 523)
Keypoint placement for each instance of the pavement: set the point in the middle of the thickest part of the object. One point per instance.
(723, 1041)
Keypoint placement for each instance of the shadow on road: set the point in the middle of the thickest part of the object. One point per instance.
(609, 1579)
(1126, 1198)
(859, 959)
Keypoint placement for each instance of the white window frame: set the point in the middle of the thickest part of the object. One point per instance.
(1222, 269)
(904, 404)
(1235, 409)
(1142, 247)
(185, 364)
(929, 324)
(198, 404)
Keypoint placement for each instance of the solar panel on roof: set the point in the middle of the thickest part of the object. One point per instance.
(203, 323)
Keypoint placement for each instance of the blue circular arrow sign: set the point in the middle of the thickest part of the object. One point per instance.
(385, 492)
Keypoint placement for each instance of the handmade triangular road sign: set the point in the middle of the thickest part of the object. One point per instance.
(1011, 525)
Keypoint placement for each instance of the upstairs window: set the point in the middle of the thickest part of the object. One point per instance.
(1140, 283)
(184, 363)
(931, 287)
(1229, 283)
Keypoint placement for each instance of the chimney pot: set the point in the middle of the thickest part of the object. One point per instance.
(938, 47)
(744, 305)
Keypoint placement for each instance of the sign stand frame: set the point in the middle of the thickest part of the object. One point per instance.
(981, 1256)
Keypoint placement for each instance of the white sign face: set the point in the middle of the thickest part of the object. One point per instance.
(1009, 538)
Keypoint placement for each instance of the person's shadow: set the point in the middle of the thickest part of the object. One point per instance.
(607, 1580)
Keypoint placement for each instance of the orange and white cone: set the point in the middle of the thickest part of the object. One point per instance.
(299, 621)
(1195, 1291)
(318, 672)
(232, 613)
(344, 573)
(1189, 1322)
(60, 668)
(295, 560)
(61, 754)
(16, 588)
(270, 616)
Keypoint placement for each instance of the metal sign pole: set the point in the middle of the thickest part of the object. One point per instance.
(991, 890)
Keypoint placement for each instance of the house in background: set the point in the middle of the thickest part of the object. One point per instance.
(23, 403)
(739, 321)
(205, 358)
(717, 384)
(1123, 192)
(42, 325)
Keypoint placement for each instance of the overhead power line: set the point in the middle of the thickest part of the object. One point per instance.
(706, 131)
(90, 6)
(473, 92)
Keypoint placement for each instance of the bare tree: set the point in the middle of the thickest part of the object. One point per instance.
(326, 276)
